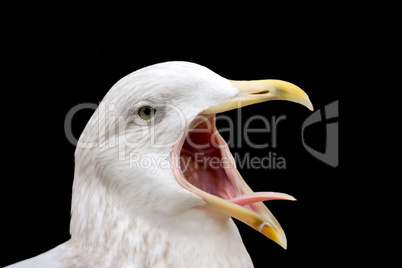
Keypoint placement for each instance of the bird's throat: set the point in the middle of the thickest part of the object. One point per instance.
(111, 234)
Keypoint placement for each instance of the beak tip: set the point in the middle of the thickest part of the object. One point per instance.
(282, 242)
(278, 237)
(308, 104)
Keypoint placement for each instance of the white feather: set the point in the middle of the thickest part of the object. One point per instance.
(131, 216)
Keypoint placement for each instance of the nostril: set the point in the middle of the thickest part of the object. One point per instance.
(261, 92)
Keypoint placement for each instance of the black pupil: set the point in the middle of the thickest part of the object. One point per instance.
(146, 112)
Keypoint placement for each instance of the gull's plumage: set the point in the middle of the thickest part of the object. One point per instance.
(140, 216)
(123, 217)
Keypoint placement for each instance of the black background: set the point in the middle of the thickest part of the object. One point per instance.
(55, 65)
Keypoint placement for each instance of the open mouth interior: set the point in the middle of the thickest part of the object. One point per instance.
(206, 164)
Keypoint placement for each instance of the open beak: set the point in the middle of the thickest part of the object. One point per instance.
(222, 187)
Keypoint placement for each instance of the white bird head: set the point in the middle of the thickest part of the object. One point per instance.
(149, 138)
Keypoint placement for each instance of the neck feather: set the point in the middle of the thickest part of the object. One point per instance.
(107, 229)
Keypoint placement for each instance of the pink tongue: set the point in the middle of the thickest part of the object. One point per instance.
(247, 199)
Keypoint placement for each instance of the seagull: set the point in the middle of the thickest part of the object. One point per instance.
(145, 193)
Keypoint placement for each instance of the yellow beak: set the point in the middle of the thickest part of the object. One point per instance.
(251, 92)
(259, 217)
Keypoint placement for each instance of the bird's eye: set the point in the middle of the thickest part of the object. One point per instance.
(146, 112)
